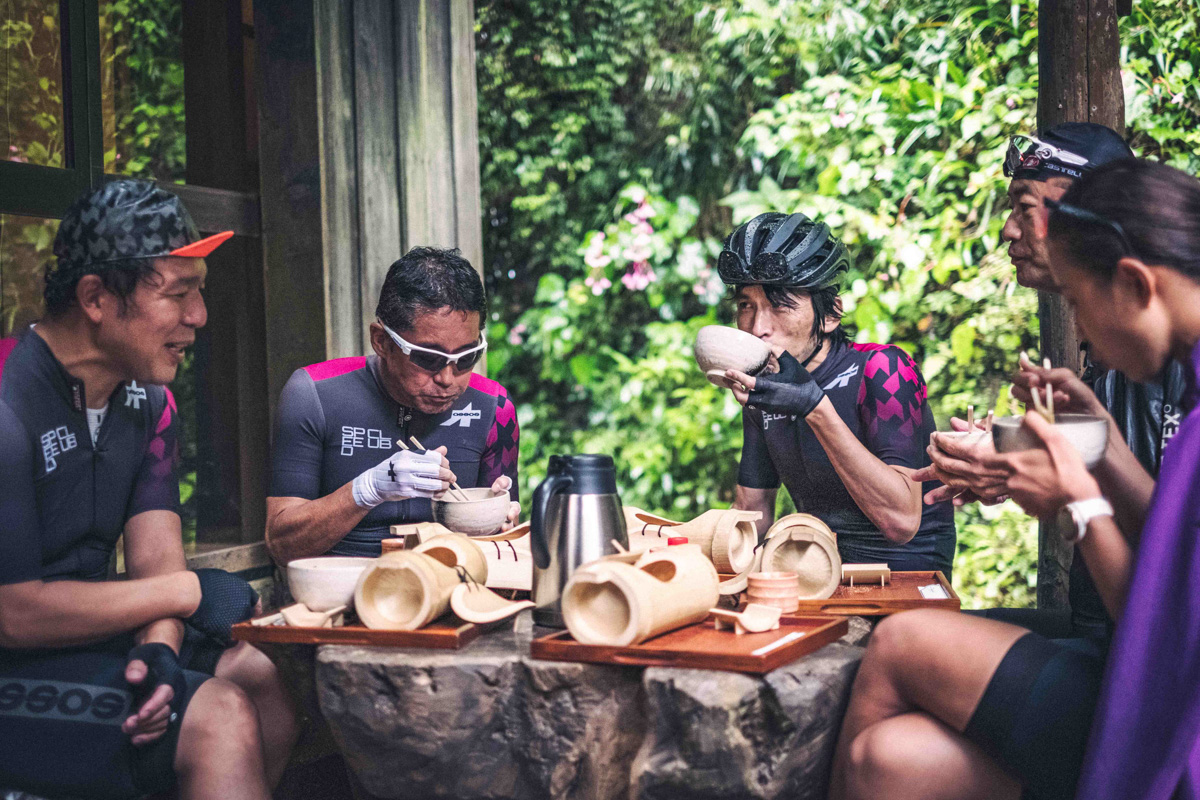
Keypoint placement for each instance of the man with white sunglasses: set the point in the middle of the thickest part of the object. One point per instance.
(339, 477)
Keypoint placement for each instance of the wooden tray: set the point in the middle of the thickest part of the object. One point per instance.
(901, 594)
(702, 646)
(436, 636)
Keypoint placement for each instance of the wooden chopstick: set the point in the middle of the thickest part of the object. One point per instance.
(454, 487)
(970, 417)
(988, 424)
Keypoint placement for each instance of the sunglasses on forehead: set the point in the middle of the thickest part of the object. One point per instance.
(432, 360)
(1033, 149)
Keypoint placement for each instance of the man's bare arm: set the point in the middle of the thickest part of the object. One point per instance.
(763, 500)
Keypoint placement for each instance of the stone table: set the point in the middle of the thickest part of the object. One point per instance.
(490, 722)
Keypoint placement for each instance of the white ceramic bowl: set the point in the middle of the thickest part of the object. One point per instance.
(719, 347)
(481, 514)
(325, 582)
(1087, 434)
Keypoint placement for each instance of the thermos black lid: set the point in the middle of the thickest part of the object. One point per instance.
(589, 474)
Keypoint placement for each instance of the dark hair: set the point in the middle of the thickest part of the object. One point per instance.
(1131, 207)
(824, 306)
(429, 279)
(121, 278)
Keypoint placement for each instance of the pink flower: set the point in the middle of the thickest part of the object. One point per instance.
(636, 253)
(1177, 99)
(12, 148)
(639, 276)
(597, 260)
(644, 211)
(832, 100)
(632, 218)
(516, 335)
(1011, 102)
(643, 229)
(599, 286)
(638, 195)
(842, 120)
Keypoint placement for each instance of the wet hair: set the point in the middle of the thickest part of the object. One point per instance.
(824, 306)
(428, 279)
(120, 278)
(1134, 208)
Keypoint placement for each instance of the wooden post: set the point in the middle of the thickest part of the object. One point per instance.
(399, 146)
(1079, 80)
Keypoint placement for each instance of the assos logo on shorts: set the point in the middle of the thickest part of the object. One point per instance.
(72, 702)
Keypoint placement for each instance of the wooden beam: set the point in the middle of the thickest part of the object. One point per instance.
(1079, 80)
(289, 139)
(339, 178)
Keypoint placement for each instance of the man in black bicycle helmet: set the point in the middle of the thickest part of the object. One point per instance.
(842, 425)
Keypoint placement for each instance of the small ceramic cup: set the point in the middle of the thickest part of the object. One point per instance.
(778, 589)
(719, 347)
(481, 514)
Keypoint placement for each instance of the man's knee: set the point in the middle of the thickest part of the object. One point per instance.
(249, 668)
(907, 638)
(885, 756)
(219, 716)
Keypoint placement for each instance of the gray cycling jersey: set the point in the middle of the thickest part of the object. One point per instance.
(337, 421)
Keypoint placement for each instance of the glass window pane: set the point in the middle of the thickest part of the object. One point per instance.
(31, 105)
(26, 246)
(141, 74)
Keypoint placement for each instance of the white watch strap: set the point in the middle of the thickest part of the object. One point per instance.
(1084, 511)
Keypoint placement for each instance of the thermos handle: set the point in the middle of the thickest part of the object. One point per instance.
(539, 541)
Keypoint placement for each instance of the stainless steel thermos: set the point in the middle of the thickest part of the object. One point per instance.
(576, 516)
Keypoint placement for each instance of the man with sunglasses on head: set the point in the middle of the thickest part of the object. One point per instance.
(842, 425)
(339, 476)
(1144, 416)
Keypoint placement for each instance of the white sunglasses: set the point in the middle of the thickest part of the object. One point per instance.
(432, 360)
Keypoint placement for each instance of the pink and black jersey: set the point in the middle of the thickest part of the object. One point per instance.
(880, 395)
(64, 500)
(337, 421)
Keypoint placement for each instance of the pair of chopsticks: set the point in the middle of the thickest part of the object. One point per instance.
(454, 487)
(1044, 407)
(987, 424)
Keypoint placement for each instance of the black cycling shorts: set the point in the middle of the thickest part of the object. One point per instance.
(60, 722)
(1036, 714)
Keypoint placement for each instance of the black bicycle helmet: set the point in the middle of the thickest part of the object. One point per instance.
(783, 250)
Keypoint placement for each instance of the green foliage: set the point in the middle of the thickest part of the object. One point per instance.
(887, 119)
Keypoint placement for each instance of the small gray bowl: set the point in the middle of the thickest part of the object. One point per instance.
(1086, 433)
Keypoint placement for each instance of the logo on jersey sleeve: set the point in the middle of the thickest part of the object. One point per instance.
(370, 438)
(134, 395)
(843, 378)
(56, 442)
(463, 417)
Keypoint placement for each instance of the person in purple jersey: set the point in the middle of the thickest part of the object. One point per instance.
(339, 479)
(950, 705)
(842, 425)
(114, 689)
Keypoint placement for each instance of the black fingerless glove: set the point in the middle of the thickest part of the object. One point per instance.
(162, 666)
(792, 390)
(225, 599)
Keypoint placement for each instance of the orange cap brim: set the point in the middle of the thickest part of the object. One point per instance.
(203, 247)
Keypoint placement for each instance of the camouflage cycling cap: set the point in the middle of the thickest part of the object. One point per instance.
(128, 219)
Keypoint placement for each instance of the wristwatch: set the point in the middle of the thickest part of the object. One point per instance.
(1076, 516)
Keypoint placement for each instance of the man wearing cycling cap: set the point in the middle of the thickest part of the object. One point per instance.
(341, 474)
(107, 687)
(842, 425)
(1145, 416)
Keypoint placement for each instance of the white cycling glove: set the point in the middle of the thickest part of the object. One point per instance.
(399, 476)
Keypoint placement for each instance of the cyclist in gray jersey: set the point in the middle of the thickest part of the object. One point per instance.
(339, 478)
